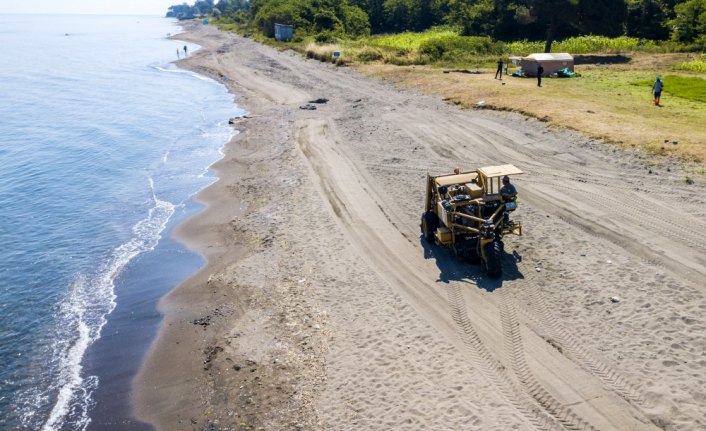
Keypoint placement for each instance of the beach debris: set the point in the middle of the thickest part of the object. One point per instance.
(308, 107)
(480, 103)
(210, 352)
(538, 269)
(583, 254)
(472, 72)
(301, 281)
(614, 299)
(239, 117)
(609, 261)
(319, 100)
(203, 321)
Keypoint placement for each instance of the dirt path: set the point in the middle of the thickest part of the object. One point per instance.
(326, 311)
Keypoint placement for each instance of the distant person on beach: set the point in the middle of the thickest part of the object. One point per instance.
(185, 53)
(500, 69)
(657, 89)
(540, 71)
(178, 53)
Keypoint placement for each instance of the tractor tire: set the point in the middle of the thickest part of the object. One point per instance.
(493, 259)
(430, 222)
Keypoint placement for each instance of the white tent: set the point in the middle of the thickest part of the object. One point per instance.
(551, 62)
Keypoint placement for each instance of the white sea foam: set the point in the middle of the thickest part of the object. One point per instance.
(84, 313)
(187, 72)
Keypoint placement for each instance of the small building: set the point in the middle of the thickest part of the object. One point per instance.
(284, 32)
(551, 62)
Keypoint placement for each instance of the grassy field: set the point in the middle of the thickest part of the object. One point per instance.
(609, 102)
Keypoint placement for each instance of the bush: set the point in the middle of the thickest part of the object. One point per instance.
(369, 54)
(325, 37)
(453, 47)
(695, 65)
(409, 40)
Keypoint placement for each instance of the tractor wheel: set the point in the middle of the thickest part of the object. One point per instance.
(493, 259)
(429, 224)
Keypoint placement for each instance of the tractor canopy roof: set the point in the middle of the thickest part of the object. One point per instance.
(499, 171)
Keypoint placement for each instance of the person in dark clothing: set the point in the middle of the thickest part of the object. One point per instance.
(657, 89)
(185, 51)
(540, 71)
(500, 69)
(508, 190)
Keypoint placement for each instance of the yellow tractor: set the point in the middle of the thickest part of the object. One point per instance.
(467, 212)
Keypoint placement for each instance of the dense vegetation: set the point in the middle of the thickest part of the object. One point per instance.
(681, 21)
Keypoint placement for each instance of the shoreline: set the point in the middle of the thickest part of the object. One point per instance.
(319, 306)
(198, 234)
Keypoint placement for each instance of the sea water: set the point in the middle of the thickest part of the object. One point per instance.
(102, 143)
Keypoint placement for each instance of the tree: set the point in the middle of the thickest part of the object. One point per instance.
(554, 14)
(690, 21)
(232, 6)
(356, 21)
(266, 13)
(602, 17)
(475, 17)
(401, 15)
(647, 19)
(375, 11)
(180, 11)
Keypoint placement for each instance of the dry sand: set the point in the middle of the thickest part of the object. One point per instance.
(320, 308)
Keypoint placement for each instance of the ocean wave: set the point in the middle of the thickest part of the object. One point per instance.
(84, 313)
(184, 71)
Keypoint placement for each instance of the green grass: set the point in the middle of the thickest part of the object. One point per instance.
(690, 88)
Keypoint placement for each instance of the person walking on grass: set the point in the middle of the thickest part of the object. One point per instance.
(657, 89)
(500, 69)
(540, 71)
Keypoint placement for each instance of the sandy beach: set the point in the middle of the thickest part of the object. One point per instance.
(320, 307)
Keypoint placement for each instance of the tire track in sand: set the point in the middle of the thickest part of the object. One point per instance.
(400, 263)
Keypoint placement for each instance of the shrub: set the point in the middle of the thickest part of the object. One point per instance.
(587, 45)
(695, 65)
(409, 40)
(369, 54)
(325, 37)
(450, 47)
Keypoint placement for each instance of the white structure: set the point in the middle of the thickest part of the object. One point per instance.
(551, 62)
